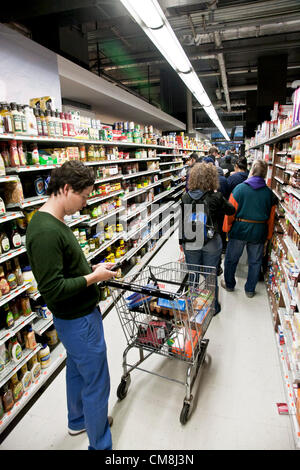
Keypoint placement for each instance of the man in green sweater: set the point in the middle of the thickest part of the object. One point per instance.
(69, 287)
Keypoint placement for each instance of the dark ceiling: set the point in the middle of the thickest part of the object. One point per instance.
(246, 53)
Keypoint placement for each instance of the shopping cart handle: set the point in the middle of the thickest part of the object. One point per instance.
(155, 292)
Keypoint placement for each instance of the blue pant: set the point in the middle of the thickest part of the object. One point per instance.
(87, 376)
(205, 257)
(234, 251)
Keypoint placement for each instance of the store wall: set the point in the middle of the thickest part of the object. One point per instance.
(28, 70)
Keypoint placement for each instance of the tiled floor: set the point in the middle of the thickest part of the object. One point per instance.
(235, 393)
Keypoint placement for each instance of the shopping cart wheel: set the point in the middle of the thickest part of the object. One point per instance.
(184, 415)
(123, 388)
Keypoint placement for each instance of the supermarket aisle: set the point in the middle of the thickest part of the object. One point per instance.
(235, 395)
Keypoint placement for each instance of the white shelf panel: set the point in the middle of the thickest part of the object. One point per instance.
(96, 199)
(92, 222)
(12, 254)
(14, 293)
(10, 216)
(19, 324)
(12, 367)
(139, 173)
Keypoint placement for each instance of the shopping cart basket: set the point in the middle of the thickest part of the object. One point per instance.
(166, 310)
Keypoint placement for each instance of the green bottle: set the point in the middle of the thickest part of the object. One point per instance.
(9, 317)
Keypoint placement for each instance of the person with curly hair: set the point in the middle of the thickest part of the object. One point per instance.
(203, 186)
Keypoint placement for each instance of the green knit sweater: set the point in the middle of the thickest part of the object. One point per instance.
(58, 265)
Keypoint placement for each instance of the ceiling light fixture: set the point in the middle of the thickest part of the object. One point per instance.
(149, 15)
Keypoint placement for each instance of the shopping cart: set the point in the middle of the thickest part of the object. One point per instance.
(166, 310)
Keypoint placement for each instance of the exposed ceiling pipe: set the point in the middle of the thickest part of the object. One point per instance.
(220, 57)
(248, 87)
(218, 105)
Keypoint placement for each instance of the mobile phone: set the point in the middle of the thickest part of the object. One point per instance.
(116, 266)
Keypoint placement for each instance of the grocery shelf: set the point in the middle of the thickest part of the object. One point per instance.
(10, 216)
(18, 325)
(171, 170)
(27, 168)
(110, 178)
(12, 367)
(92, 222)
(139, 173)
(28, 202)
(12, 254)
(58, 355)
(7, 179)
(140, 191)
(99, 250)
(77, 220)
(14, 293)
(283, 135)
(42, 324)
(95, 199)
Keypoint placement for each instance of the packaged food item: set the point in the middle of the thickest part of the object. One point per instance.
(1, 408)
(9, 317)
(10, 276)
(16, 388)
(2, 207)
(13, 192)
(15, 349)
(4, 286)
(39, 185)
(22, 157)
(13, 153)
(7, 398)
(18, 272)
(29, 277)
(30, 341)
(51, 335)
(25, 377)
(2, 166)
(44, 356)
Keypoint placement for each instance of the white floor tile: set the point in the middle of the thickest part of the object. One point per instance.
(235, 393)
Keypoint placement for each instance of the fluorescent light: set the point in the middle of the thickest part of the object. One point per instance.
(149, 15)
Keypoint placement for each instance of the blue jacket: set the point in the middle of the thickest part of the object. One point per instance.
(235, 179)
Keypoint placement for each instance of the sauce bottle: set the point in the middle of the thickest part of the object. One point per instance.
(44, 356)
(14, 309)
(16, 118)
(4, 241)
(25, 305)
(15, 349)
(13, 153)
(64, 124)
(16, 387)
(9, 317)
(16, 240)
(44, 123)
(5, 154)
(7, 398)
(38, 122)
(23, 118)
(18, 272)
(25, 377)
(21, 153)
(4, 286)
(10, 276)
(1, 408)
(30, 341)
(50, 123)
(8, 120)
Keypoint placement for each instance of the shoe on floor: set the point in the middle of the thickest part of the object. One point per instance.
(250, 294)
(72, 432)
(229, 289)
(218, 310)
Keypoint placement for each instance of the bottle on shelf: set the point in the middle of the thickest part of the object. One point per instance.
(15, 350)
(13, 305)
(1, 408)
(16, 119)
(23, 118)
(25, 305)
(5, 154)
(10, 276)
(16, 240)
(4, 243)
(64, 124)
(13, 153)
(18, 272)
(34, 367)
(7, 398)
(8, 120)
(44, 356)
(30, 341)
(4, 286)
(9, 317)
(39, 125)
(50, 123)
(16, 387)
(44, 123)
(2, 166)
(21, 153)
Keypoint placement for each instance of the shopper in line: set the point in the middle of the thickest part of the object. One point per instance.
(240, 174)
(251, 226)
(191, 161)
(204, 181)
(213, 153)
(69, 287)
(227, 166)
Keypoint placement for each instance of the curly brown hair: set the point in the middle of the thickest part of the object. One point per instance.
(203, 176)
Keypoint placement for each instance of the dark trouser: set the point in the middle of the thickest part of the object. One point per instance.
(206, 258)
(88, 381)
(233, 253)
